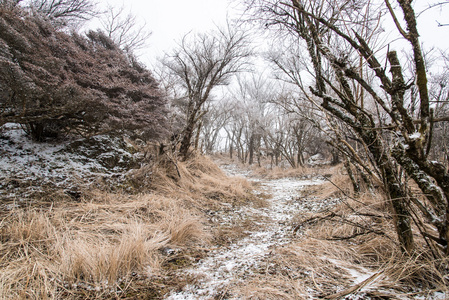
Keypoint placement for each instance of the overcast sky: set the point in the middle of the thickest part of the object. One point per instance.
(169, 20)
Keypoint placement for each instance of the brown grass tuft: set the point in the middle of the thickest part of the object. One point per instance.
(91, 246)
(183, 228)
(197, 180)
(106, 244)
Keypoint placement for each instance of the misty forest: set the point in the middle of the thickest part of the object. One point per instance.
(298, 151)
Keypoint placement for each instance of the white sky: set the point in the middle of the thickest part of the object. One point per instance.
(428, 21)
(169, 20)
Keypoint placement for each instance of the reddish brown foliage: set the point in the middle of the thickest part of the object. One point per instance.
(53, 82)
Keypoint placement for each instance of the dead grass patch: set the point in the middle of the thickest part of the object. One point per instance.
(299, 172)
(337, 185)
(111, 245)
(350, 249)
(278, 172)
(92, 245)
(284, 290)
(315, 268)
(225, 235)
(309, 268)
(199, 181)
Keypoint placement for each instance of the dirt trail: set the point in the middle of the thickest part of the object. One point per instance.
(271, 227)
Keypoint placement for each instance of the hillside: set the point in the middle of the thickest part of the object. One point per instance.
(93, 219)
(78, 221)
(29, 168)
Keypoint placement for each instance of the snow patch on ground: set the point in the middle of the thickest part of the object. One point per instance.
(416, 135)
(228, 265)
(28, 167)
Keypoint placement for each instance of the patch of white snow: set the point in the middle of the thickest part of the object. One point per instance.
(416, 135)
(228, 265)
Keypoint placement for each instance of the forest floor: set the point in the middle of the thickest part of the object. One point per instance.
(77, 223)
(271, 256)
(262, 227)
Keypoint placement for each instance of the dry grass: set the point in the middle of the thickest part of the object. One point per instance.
(267, 171)
(199, 181)
(337, 183)
(299, 172)
(309, 268)
(95, 245)
(278, 172)
(348, 250)
(121, 245)
(315, 269)
(109, 245)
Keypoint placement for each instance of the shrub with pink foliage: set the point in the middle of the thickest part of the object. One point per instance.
(56, 83)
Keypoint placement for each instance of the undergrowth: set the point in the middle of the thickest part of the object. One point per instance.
(348, 251)
(130, 244)
(114, 244)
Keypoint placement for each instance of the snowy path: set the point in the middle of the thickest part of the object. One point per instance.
(227, 265)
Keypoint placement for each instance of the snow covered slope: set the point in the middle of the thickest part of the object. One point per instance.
(28, 168)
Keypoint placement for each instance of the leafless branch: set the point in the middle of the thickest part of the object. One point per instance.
(124, 29)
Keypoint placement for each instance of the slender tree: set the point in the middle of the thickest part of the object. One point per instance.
(124, 29)
(64, 12)
(200, 63)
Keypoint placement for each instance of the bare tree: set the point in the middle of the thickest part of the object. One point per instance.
(201, 63)
(124, 29)
(234, 130)
(218, 115)
(255, 92)
(439, 97)
(340, 40)
(64, 12)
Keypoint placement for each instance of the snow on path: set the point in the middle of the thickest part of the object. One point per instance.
(228, 265)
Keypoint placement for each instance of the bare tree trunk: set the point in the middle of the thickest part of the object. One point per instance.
(396, 192)
(335, 157)
(300, 158)
(438, 213)
(355, 185)
(231, 144)
(251, 150)
(198, 133)
(187, 138)
(276, 156)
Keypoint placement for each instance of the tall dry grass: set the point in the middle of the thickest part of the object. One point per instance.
(198, 181)
(91, 246)
(347, 252)
(109, 245)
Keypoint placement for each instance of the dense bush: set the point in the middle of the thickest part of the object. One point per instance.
(54, 83)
